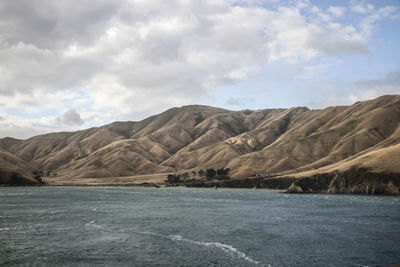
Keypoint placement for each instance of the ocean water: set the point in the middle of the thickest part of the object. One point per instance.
(114, 226)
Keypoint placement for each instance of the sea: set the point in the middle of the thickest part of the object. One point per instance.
(132, 226)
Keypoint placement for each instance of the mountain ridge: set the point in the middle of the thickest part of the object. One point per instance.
(193, 137)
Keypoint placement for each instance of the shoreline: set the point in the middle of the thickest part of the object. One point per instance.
(355, 181)
(283, 191)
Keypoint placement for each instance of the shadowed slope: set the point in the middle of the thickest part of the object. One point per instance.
(14, 171)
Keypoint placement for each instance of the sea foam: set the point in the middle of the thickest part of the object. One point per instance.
(228, 249)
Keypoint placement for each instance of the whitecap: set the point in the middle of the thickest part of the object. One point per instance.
(224, 247)
(14, 194)
(92, 225)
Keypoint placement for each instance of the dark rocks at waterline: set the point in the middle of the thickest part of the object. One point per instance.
(145, 184)
(353, 181)
(16, 179)
(270, 183)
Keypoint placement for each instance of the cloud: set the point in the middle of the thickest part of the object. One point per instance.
(368, 89)
(372, 15)
(237, 102)
(340, 100)
(337, 11)
(362, 8)
(15, 126)
(54, 25)
(390, 84)
(303, 72)
(71, 117)
(133, 58)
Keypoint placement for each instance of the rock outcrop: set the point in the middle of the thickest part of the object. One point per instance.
(293, 188)
(353, 181)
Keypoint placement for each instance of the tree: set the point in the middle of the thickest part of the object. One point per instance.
(223, 172)
(173, 178)
(210, 173)
(185, 175)
(194, 173)
(201, 173)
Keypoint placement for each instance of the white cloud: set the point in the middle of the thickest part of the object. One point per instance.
(362, 8)
(17, 127)
(337, 11)
(303, 72)
(372, 16)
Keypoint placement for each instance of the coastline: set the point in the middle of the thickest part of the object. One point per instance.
(355, 181)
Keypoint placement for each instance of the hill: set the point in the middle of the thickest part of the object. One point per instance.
(274, 141)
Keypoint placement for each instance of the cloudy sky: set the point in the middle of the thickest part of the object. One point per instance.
(68, 64)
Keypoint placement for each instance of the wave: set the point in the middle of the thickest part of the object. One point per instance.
(15, 194)
(224, 247)
(92, 225)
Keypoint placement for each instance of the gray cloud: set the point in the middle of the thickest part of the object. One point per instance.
(55, 24)
(238, 102)
(331, 45)
(71, 117)
(367, 89)
(232, 102)
(390, 81)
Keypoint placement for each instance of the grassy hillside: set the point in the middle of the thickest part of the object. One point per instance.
(276, 141)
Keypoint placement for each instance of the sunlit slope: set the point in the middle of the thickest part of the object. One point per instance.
(321, 138)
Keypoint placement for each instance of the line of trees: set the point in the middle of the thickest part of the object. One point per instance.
(209, 174)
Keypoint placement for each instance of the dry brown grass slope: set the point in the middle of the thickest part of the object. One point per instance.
(7, 142)
(321, 138)
(192, 137)
(14, 171)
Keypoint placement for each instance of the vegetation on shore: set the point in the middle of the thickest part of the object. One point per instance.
(187, 178)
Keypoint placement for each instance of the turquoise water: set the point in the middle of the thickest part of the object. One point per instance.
(112, 226)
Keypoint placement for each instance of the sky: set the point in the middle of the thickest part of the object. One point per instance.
(68, 65)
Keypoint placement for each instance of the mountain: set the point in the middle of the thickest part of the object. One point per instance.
(291, 141)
